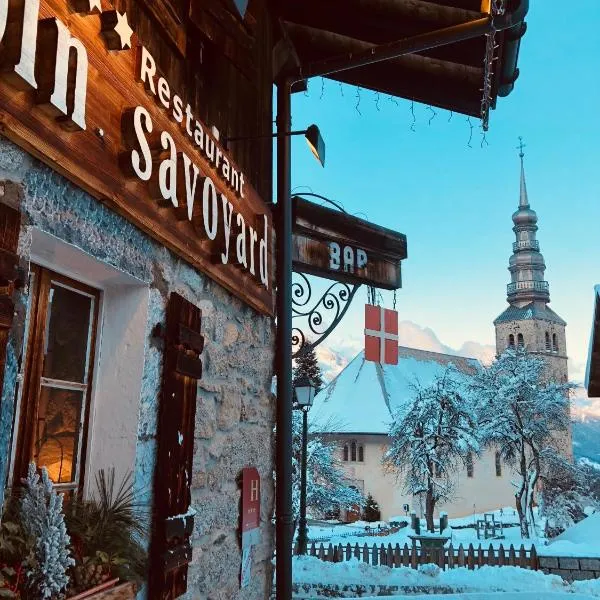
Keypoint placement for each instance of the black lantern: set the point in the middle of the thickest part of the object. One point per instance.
(305, 392)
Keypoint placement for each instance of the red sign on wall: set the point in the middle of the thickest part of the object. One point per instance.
(250, 499)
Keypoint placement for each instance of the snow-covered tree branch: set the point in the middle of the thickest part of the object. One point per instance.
(524, 415)
(431, 438)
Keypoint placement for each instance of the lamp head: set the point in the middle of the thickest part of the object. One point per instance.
(305, 392)
(316, 143)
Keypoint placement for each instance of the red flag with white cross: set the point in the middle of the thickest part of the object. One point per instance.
(381, 335)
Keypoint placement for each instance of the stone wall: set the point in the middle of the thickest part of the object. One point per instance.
(570, 568)
(235, 408)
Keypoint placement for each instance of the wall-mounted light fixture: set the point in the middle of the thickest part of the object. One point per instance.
(313, 136)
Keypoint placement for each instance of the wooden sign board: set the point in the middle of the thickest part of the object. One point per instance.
(332, 244)
(78, 91)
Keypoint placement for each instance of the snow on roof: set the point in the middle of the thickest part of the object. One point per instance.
(362, 398)
(579, 540)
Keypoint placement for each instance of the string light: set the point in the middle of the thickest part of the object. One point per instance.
(450, 117)
(470, 132)
(358, 101)
(322, 88)
(433, 114)
(412, 111)
(377, 101)
(341, 89)
(393, 100)
(497, 8)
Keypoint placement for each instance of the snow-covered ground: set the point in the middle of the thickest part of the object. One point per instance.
(511, 581)
(463, 531)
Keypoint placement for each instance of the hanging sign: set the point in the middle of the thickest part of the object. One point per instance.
(332, 244)
(250, 520)
(381, 335)
(96, 109)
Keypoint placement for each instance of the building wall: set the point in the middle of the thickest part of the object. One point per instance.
(235, 412)
(480, 493)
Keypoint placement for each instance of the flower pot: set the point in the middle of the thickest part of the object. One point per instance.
(110, 590)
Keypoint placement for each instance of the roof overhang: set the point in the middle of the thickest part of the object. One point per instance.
(592, 374)
(443, 73)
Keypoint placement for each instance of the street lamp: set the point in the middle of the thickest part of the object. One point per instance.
(304, 391)
(313, 136)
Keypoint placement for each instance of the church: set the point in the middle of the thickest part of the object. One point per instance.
(361, 436)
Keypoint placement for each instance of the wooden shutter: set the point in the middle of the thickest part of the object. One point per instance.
(171, 549)
(10, 224)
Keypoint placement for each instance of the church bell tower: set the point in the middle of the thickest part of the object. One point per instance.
(529, 322)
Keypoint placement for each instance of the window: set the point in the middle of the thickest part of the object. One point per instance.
(469, 462)
(353, 452)
(498, 465)
(547, 342)
(511, 341)
(345, 452)
(53, 419)
(438, 470)
(361, 453)
(554, 342)
(520, 340)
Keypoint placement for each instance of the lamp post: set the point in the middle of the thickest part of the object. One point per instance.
(304, 391)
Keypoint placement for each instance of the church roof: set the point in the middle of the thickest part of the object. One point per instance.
(528, 312)
(363, 397)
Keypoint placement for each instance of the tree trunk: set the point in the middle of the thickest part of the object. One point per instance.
(429, 508)
(521, 497)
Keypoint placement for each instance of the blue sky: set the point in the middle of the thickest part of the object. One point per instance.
(454, 202)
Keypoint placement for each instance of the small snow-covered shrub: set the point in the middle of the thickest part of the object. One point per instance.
(43, 521)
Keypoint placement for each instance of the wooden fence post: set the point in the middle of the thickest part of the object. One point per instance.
(480, 556)
(321, 553)
(413, 557)
(491, 557)
(313, 550)
(357, 551)
(501, 556)
(390, 556)
(330, 553)
(512, 561)
(461, 556)
(451, 556)
(366, 554)
(534, 559)
(471, 557)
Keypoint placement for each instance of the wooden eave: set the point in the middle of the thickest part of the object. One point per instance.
(449, 77)
(593, 374)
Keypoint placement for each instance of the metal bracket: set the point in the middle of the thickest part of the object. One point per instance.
(313, 322)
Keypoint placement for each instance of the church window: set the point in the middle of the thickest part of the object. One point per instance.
(520, 340)
(361, 453)
(547, 342)
(353, 452)
(554, 343)
(498, 465)
(345, 452)
(469, 462)
(511, 341)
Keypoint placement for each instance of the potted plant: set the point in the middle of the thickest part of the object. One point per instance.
(106, 533)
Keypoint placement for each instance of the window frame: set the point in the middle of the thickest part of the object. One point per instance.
(469, 462)
(43, 279)
(498, 464)
(361, 453)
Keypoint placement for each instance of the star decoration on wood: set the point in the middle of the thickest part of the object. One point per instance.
(116, 30)
(87, 6)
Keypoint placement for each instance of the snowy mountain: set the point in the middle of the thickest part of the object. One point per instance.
(332, 359)
(586, 439)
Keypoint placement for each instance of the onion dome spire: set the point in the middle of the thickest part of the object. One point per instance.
(526, 264)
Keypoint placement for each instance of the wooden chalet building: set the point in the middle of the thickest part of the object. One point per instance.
(137, 246)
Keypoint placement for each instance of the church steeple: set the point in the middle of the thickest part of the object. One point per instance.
(526, 265)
